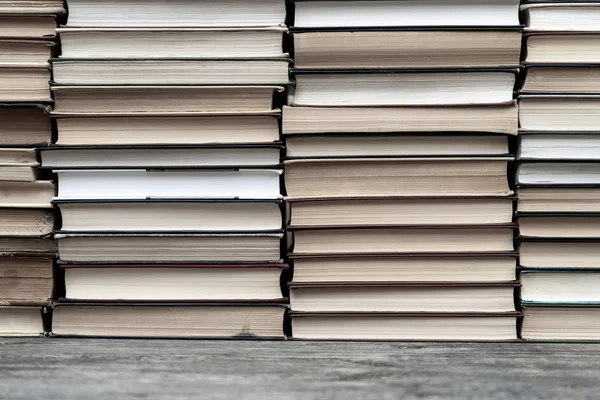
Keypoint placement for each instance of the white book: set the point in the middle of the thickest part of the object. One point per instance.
(142, 184)
(560, 286)
(171, 42)
(557, 146)
(174, 215)
(319, 14)
(170, 72)
(547, 173)
(398, 89)
(156, 157)
(176, 13)
(544, 16)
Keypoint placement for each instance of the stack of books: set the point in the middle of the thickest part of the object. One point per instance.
(397, 137)
(26, 218)
(559, 172)
(168, 164)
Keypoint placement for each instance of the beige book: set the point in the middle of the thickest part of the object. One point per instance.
(561, 323)
(35, 7)
(169, 247)
(405, 269)
(576, 79)
(170, 216)
(37, 194)
(401, 211)
(173, 99)
(397, 177)
(406, 49)
(395, 145)
(190, 321)
(564, 113)
(21, 321)
(18, 172)
(558, 200)
(553, 254)
(26, 222)
(13, 156)
(24, 84)
(27, 246)
(26, 280)
(402, 240)
(565, 227)
(171, 72)
(424, 327)
(389, 297)
(563, 48)
(137, 130)
(25, 125)
(494, 119)
(25, 53)
(170, 282)
(27, 26)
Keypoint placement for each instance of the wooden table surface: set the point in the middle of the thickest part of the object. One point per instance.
(89, 369)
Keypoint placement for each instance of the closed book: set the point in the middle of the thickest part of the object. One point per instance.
(469, 327)
(166, 320)
(143, 184)
(415, 48)
(173, 282)
(169, 42)
(169, 247)
(401, 297)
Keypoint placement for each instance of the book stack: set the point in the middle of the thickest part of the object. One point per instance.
(26, 219)
(559, 172)
(397, 138)
(168, 164)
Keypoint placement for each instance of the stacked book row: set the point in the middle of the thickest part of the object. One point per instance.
(27, 251)
(559, 171)
(397, 137)
(168, 165)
